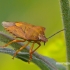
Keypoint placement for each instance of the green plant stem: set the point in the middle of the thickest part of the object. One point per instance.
(66, 22)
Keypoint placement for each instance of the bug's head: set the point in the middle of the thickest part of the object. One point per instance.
(43, 38)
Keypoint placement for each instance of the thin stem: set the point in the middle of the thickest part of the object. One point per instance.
(65, 11)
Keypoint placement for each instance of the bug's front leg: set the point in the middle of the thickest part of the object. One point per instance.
(21, 48)
(37, 47)
(31, 51)
(12, 42)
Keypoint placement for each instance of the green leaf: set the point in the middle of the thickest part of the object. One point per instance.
(45, 63)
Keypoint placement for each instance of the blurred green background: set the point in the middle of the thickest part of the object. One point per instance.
(44, 13)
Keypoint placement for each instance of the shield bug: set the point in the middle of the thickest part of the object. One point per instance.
(27, 32)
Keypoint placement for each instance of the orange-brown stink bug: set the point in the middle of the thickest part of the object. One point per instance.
(27, 32)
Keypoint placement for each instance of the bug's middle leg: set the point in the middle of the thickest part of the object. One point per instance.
(21, 48)
(30, 52)
(12, 42)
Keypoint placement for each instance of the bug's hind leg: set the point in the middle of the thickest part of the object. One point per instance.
(30, 52)
(21, 48)
(13, 42)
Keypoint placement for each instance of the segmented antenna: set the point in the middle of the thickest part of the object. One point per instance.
(55, 33)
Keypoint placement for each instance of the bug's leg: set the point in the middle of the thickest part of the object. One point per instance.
(30, 52)
(20, 49)
(12, 42)
(37, 47)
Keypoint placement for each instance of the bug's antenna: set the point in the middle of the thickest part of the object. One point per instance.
(56, 33)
